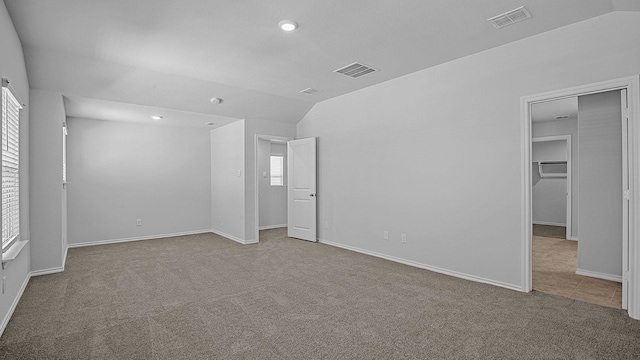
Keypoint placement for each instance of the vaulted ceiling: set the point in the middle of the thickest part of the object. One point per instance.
(177, 54)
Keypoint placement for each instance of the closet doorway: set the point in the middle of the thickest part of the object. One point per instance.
(605, 181)
(551, 182)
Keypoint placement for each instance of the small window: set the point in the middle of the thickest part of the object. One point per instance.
(64, 153)
(10, 167)
(277, 170)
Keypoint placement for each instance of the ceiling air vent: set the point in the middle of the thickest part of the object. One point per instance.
(355, 70)
(510, 17)
(310, 91)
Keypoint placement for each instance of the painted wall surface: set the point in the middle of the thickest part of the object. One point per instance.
(46, 193)
(600, 130)
(228, 179)
(440, 158)
(255, 127)
(565, 127)
(273, 199)
(121, 172)
(12, 67)
(549, 195)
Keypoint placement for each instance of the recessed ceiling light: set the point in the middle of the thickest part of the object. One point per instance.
(156, 117)
(288, 25)
(216, 101)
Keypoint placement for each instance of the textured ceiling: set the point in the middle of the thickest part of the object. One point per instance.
(177, 54)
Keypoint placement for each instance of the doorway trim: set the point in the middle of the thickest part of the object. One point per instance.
(256, 183)
(569, 198)
(632, 85)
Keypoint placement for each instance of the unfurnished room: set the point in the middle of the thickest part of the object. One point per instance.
(360, 179)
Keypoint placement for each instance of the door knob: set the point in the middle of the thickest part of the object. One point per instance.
(312, 195)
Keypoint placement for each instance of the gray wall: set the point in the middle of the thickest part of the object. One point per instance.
(45, 186)
(599, 127)
(565, 127)
(121, 172)
(227, 179)
(549, 195)
(273, 199)
(440, 158)
(13, 68)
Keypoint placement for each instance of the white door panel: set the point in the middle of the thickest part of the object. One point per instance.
(301, 161)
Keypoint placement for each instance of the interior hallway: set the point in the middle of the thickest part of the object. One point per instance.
(554, 265)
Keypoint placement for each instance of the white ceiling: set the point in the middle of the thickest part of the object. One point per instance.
(108, 110)
(177, 54)
(548, 110)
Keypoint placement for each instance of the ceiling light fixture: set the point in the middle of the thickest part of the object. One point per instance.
(288, 25)
(156, 117)
(210, 123)
(216, 101)
(562, 117)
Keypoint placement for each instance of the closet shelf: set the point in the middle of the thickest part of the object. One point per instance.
(552, 168)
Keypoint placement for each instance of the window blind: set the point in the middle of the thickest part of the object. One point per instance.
(277, 170)
(10, 167)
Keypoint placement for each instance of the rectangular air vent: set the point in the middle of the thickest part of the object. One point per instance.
(310, 91)
(510, 17)
(355, 70)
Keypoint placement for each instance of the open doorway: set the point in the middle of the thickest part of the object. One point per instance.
(603, 222)
(271, 186)
(552, 180)
(563, 265)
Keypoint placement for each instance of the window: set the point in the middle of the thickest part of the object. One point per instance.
(277, 170)
(10, 169)
(64, 153)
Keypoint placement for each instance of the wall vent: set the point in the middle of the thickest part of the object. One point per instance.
(355, 70)
(510, 17)
(310, 91)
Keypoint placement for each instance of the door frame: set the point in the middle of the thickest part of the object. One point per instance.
(632, 85)
(569, 198)
(256, 183)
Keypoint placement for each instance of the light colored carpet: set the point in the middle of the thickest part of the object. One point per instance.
(205, 297)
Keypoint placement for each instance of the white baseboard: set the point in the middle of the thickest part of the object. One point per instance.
(150, 237)
(272, 227)
(14, 304)
(64, 257)
(549, 223)
(597, 275)
(231, 237)
(573, 238)
(425, 266)
(47, 271)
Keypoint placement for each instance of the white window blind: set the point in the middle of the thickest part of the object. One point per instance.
(10, 167)
(64, 153)
(277, 170)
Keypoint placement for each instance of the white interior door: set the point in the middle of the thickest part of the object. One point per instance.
(626, 199)
(301, 213)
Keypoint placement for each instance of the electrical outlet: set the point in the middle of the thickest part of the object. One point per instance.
(404, 238)
(239, 173)
(139, 222)
(386, 235)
